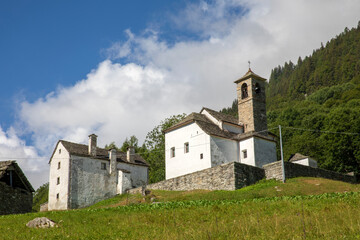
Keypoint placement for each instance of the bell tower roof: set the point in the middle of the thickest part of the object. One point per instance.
(249, 74)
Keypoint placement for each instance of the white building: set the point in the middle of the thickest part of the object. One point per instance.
(209, 138)
(303, 160)
(82, 175)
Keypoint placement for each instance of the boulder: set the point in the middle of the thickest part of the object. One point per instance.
(41, 222)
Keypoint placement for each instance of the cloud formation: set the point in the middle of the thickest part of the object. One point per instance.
(158, 78)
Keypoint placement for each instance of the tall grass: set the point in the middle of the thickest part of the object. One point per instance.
(324, 216)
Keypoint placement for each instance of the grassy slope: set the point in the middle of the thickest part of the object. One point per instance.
(268, 210)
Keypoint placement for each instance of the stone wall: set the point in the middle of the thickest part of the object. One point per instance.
(229, 176)
(292, 170)
(14, 200)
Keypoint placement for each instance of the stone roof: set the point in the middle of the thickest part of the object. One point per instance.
(19, 179)
(101, 153)
(206, 124)
(296, 157)
(221, 116)
(249, 74)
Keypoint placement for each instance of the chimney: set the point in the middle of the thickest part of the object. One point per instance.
(130, 154)
(112, 157)
(92, 145)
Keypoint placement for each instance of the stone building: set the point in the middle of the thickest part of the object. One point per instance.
(81, 175)
(15, 190)
(209, 138)
(303, 160)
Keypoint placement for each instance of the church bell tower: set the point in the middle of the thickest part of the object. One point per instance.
(251, 102)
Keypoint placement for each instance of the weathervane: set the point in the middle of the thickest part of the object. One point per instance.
(249, 64)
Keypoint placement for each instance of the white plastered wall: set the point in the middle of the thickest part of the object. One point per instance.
(60, 155)
(124, 182)
(184, 163)
(90, 183)
(139, 174)
(232, 128)
(265, 151)
(248, 146)
(306, 162)
(223, 151)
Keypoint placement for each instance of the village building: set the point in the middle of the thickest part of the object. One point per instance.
(303, 160)
(81, 175)
(15, 190)
(210, 138)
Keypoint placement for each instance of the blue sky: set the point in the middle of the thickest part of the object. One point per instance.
(117, 68)
(45, 44)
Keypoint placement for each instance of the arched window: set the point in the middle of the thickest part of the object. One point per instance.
(244, 91)
(257, 88)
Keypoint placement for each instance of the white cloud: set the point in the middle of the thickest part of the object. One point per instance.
(161, 78)
(13, 148)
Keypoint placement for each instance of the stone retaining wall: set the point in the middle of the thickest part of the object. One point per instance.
(14, 200)
(229, 176)
(292, 170)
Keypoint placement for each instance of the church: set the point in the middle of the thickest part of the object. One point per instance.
(209, 138)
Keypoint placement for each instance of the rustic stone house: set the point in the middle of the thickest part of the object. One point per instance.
(209, 138)
(81, 175)
(15, 190)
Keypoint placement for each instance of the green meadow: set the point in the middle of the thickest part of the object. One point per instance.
(302, 208)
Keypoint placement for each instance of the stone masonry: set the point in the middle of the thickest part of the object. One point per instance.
(229, 176)
(292, 170)
(14, 200)
(234, 175)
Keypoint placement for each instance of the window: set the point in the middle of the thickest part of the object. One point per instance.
(201, 156)
(58, 181)
(59, 165)
(59, 151)
(103, 166)
(57, 196)
(172, 152)
(244, 153)
(186, 147)
(244, 91)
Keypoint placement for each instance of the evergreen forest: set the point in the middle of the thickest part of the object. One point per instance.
(317, 103)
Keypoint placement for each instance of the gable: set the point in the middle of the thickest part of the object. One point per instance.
(12, 175)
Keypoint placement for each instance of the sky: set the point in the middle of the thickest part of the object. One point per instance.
(118, 68)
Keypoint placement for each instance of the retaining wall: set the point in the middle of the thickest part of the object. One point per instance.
(229, 176)
(292, 170)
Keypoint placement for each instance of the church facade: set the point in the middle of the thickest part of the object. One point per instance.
(209, 138)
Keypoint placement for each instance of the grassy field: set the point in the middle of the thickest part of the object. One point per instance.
(303, 208)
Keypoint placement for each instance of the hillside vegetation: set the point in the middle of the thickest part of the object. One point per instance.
(317, 103)
(303, 208)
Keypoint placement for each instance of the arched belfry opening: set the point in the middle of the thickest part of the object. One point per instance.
(244, 91)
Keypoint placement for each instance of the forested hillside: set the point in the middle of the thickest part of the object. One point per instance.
(337, 62)
(317, 103)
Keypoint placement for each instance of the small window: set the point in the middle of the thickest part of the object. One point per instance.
(58, 181)
(244, 153)
(172, 152)
(186, 147)
(103, 166)
(59, 165)
(59, 151)
(57, 196)
(201, 156)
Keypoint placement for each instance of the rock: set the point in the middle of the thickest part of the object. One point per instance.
(41, 222)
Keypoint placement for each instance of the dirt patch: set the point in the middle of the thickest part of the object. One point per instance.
(312, 181)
